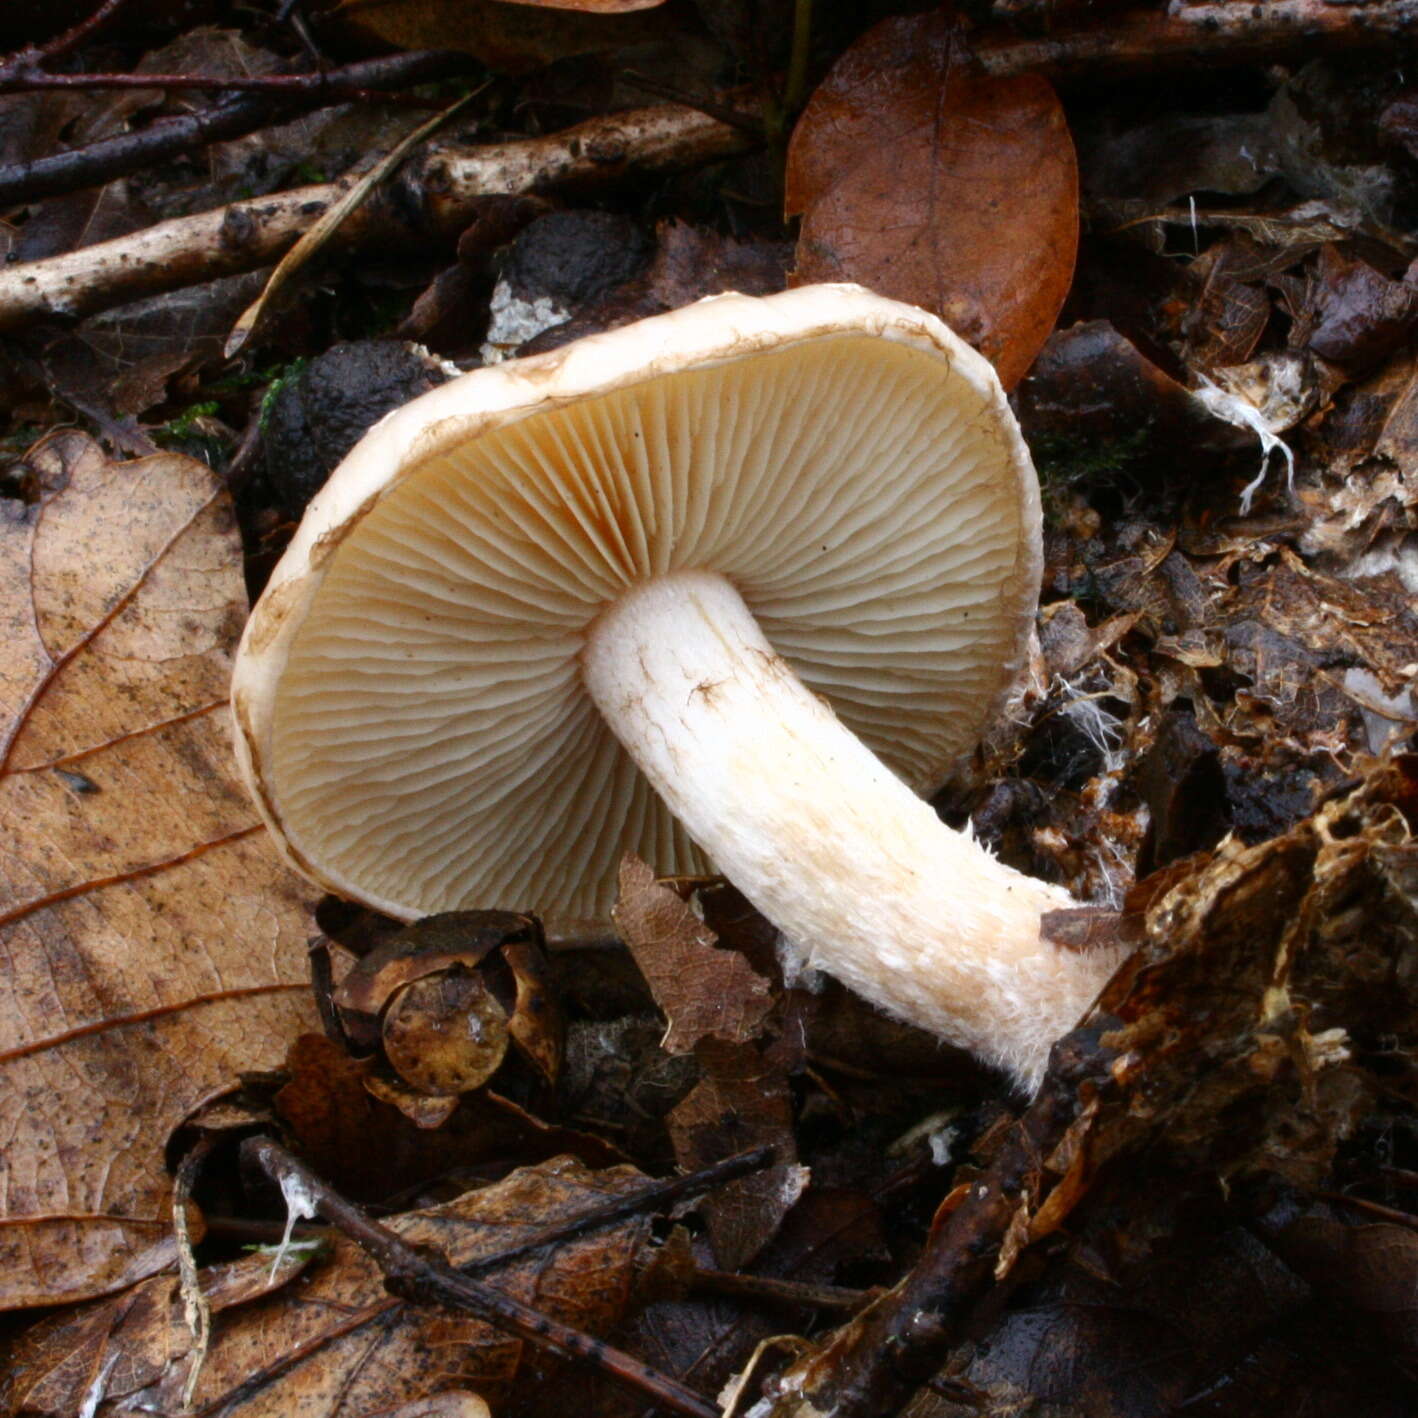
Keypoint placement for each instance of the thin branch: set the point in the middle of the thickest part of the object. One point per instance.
(323, 83)
(781, 1292)
(1188, 34)
(433, 199)
(415, 1276)
(32, 56)
(114, 157)
(653, 1197)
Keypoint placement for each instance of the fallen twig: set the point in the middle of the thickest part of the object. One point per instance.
(1195, 33)
(109, 158)
(34, 56)
(326, 226)
(780, 1292)
(416, 1276)
(434, 197)
(320, 83)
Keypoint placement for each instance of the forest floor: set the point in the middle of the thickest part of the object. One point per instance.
(1186, 236)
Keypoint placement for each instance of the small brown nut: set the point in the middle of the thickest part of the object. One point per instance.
(445, 1033)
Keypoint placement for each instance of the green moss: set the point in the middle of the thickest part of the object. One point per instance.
(188, 433)
(279, 377)
(1068, 460)
(1069, 463)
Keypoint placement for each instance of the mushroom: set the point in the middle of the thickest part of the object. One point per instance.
(729, 588)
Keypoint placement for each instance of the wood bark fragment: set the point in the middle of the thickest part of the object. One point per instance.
(1195, 34)
(431, 199)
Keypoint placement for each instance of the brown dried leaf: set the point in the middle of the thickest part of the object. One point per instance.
(131, 1338)
(705, 992)
(939, 186)
(155, 943)
(341, 1343)
(454, 1403)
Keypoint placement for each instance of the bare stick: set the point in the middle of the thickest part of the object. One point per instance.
(324, 83)
(422, 1279)
(637, 1203)
(131, 152)
(433, 198)
(1195, 33)
(30, 58)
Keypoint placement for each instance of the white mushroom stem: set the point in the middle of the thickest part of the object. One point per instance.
(859, 874)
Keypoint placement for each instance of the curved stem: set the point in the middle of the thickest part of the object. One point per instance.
(859, 874)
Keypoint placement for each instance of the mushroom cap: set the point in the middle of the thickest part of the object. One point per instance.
(408, 704)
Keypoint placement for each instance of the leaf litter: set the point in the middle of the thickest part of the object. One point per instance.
(1205, 1209)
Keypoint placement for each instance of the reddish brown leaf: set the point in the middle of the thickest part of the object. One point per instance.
(939, 186)
(370, 1136)
(154, 945)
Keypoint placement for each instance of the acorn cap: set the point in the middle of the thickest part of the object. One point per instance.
(408, 699)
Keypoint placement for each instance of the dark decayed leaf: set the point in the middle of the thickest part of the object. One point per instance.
(740, 1102)
(511, 37)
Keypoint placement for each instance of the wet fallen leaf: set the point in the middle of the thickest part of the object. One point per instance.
(336, 1341)
(1374, 1268)
(154, 943)
(1361, 315)
(939, 186)
(1094, 410)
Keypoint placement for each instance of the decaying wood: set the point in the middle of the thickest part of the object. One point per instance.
(1185, 33)
(432, 198)
(233, 117)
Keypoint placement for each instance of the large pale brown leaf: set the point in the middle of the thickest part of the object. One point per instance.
(152, 944)
(336, 1342)
(939, 186)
